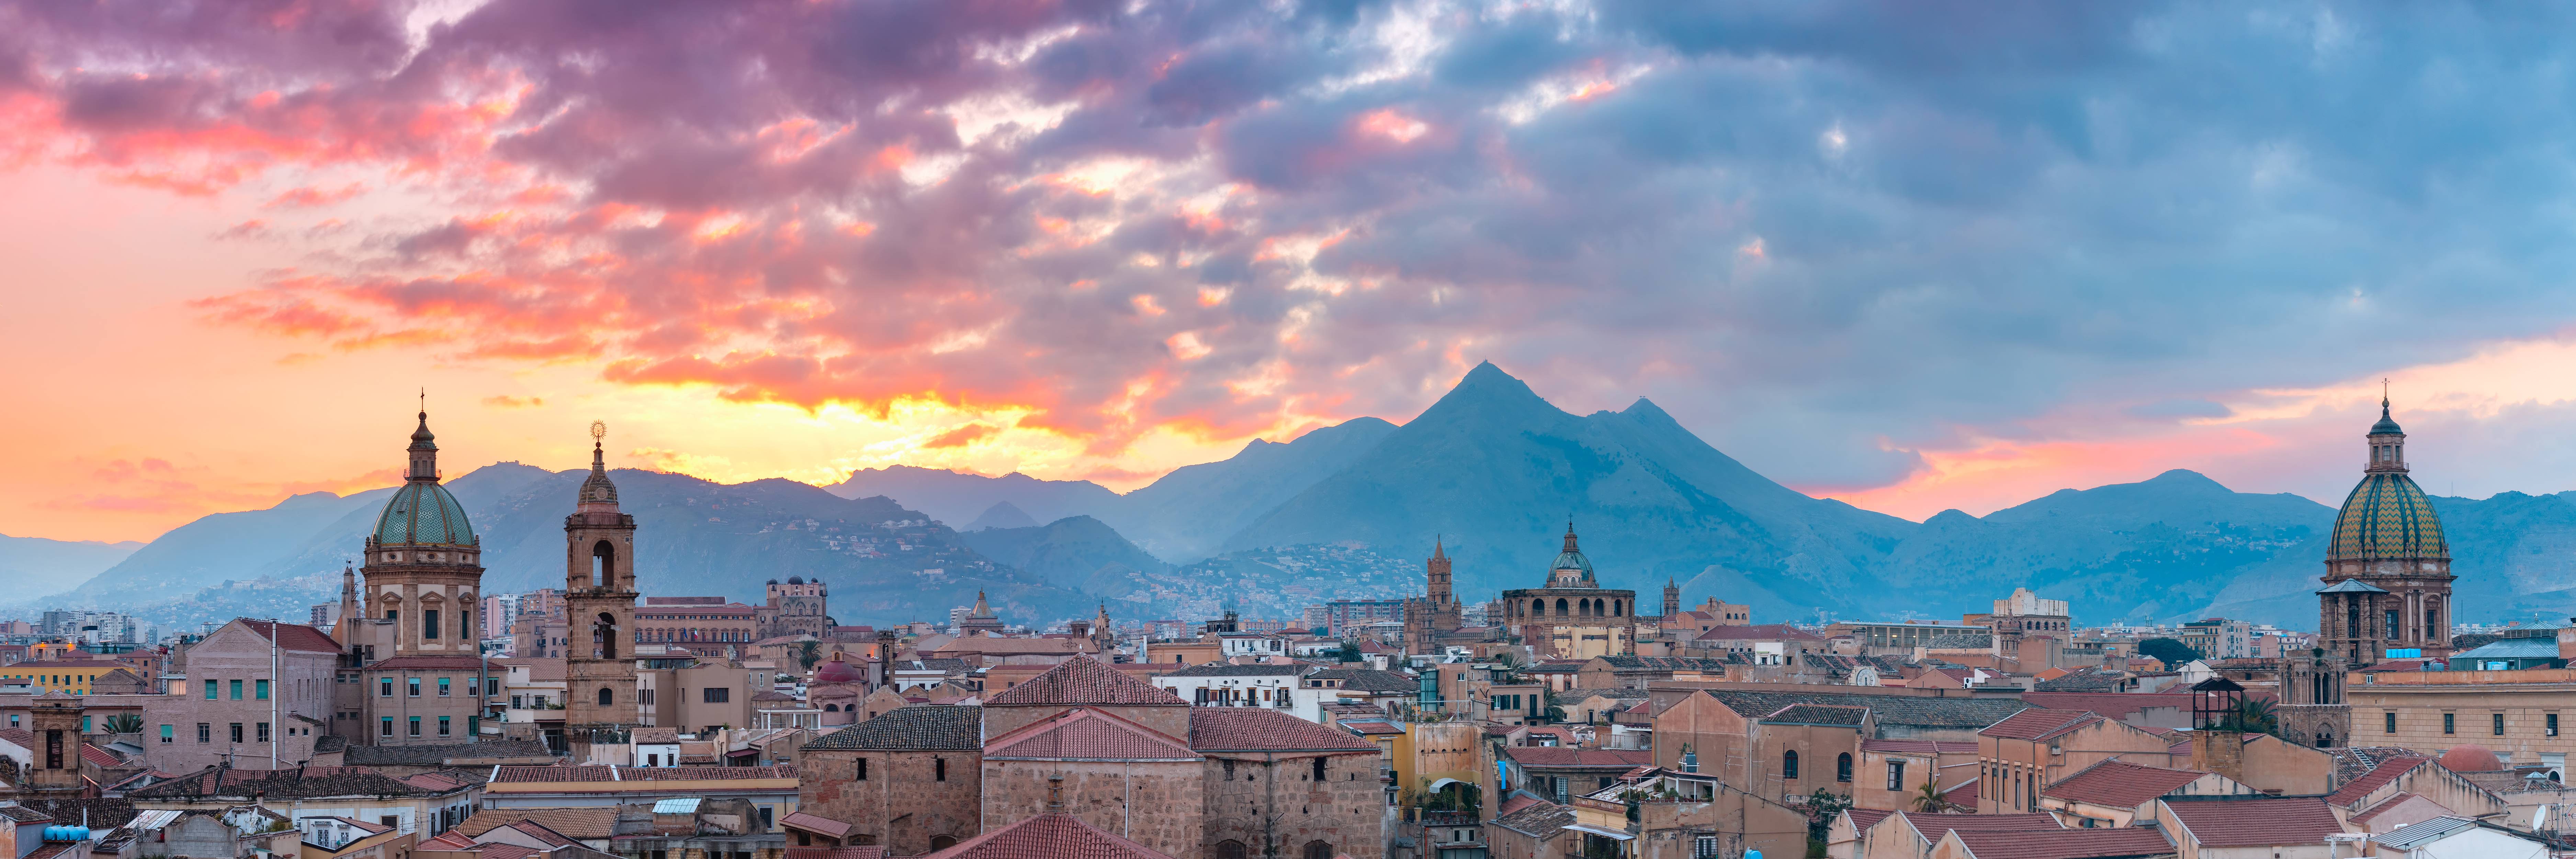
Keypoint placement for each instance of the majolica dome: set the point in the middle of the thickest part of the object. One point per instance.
(421, 512)
(2387, 516)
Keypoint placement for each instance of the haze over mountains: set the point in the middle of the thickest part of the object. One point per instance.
(1492, 470)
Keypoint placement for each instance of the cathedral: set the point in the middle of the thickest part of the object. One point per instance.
(2387, 593)
(1573, 617)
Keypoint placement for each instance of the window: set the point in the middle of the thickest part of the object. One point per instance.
(2552, 725)
(766, 825)
(385, 687)
(715, 695)
(1843, 768)
(261, 691)
(1789, 765)
(237, 732)
(263, 732)
(1704, 848)
(604, 697)
(2499, 724)
(1318, 774)
(429, 624)
(388, 728)
(1895, 775)
(442, 726)
(442, 687)
(2447, 725)
(415, 726)
(205, 732)
(166, 733)
(2392, 624)
(2388, 722)
(414, 683)
(473, 726)
(518, 702)
(939, 769)
(860, 772)
(210, 690)
(236, 690)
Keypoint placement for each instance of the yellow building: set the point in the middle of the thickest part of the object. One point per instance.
(2515, 714)
(68, 676)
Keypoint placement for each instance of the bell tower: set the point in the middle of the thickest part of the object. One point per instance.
(599, 598)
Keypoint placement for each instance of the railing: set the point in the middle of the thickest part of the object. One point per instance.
(1448, 818)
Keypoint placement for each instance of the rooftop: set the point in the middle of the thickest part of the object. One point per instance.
(2039, 724)
(924, 728)
(439, 754)
(2121, 843)
(2119, 784)
(1048, 836)
(1085, 734)
(2254, 821)
(1083, 680)
(1904, 710)
(1249, 729)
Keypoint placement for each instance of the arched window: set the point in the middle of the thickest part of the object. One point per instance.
(831, 708)
(1842, 767)
(606, 699)
(1538, 608)
(1229, 849)
(1318, 850)
(1560, 607)
(1789, 764)
(604, 631)
(1618, 608)
(603, 563)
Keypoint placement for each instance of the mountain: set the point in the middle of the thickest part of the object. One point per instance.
(1001, 515)
(957, 496)
(1498, 472)
(1187, 514)
(215, 549)
(1070, 552)
(2139, 552)
(45, 567)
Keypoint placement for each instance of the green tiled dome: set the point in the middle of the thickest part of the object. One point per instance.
(2386, 517)
(422, 513)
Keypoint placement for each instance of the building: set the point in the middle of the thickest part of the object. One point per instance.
(2023, 615)
(2219, 638)
(256, 695)
(2517, 715)
(899, 780)
(2021, 757)
(1347, 618)
(706, 626)
(795, 607)
(2387, 592)
(979, 619)
(1572, 617)
(1903, 636)
(1434, 613)
(422, 805)
(599, 599)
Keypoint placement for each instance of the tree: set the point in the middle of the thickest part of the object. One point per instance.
(808, 653)
(1929, 799)
(125, 723)
(1822, 808)
(2170, 651)
(1350, 652)
(2252, 716)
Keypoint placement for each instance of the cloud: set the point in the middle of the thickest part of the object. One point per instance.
(506, 401)
(959, 437)
(1845, 239)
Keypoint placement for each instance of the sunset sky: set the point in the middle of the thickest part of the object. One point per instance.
(1912, 255)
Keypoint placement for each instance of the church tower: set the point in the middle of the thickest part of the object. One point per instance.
(2388, 568)
(599, 596)
(1672, 600)
(1441, 609)
(422, 566)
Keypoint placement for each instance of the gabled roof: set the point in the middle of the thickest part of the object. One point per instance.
(2423, 832)
(2257, 821)
(1368, 679)
(293, 636)
(1256, 729)
(2119, 784)
(2037, 724)
(1085, 734)
(1905, 710)
(1541, 820)
(906, 729)
(2387, 771)
(631, 774)
(2113, 705)
(1819, 714)
(1083, 680)
(2121, 843)
(1048, 836)
(294, 783)
(434, 755)
(1864, 818)
(576, 822)
(1930, 827)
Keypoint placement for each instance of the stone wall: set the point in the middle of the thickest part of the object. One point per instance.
(1170, 720)
(1157, 804)
(1272, 804)
(901, 785)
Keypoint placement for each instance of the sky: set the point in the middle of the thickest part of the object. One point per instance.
(1913, 255)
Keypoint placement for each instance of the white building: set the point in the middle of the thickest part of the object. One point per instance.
(1275, 686)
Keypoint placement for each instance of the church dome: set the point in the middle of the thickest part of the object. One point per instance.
(2387, 517)
(836, 671)
(2470, 759)
(1571, 558)
(422, 513)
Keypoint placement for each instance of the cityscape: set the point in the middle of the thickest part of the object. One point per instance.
(1296, 429)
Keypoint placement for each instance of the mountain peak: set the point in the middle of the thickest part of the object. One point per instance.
(1487, 390)
(2184, 478)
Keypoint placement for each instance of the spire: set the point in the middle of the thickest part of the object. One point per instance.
(1569, 534)
(424, 448)
(598, 494)
(981, 608)
(1436, 547)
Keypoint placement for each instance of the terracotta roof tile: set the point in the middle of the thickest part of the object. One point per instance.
(1864, 818)
(815, 824)
(2119, 784)
(2116, 705)
(2121, 843)
(1918, 747)
(1932, 826)
(1244, 729)
(542, 833)
(598, 822)
(1083, 680)
(2037, 724)
(854, 852)
(1888, 710)
(1048, 836)
(2378, 777)
(1541, 820)
(1561, 756)
(294, 636)
(1085, 734)
(593, 774)
(2262, 821)
(926, 728)
(1819, 714)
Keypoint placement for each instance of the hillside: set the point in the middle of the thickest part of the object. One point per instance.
(45, 567)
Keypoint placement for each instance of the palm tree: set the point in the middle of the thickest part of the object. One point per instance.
(808, 653)
(2253, 716)
(1929, 799)
(125, 723)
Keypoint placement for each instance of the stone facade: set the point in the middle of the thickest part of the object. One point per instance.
(1154, 803)
(1274, 804)
(599, 598)
(1573, 617)
(231, 689)
(2388, 567)
(796, 607)
(910, 780)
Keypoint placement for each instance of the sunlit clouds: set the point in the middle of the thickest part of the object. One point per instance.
(1917, 257)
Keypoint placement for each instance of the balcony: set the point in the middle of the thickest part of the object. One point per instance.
(1448, 818)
